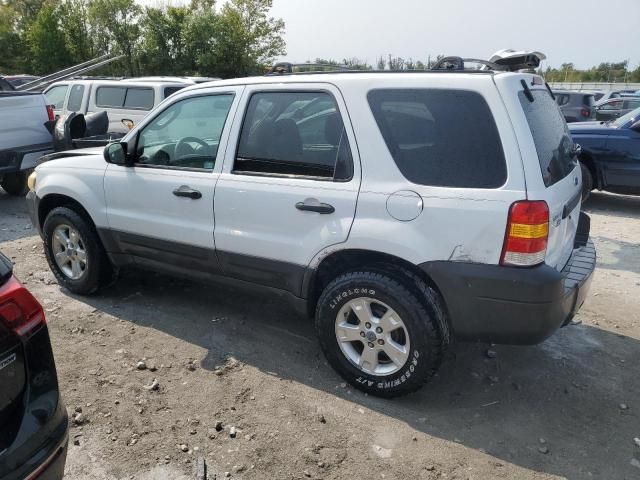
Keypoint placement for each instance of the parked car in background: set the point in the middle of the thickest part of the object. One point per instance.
(129, 100)
(25, 135)
(610, 154)
(468, 218)
(5, 86)
(34, 432)
(18, 80)
(618, 107)
(575, 106)
(602, 97)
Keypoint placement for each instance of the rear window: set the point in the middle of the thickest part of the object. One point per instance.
(550, 135)
(588, 100)
(444, 138)
(123, 97)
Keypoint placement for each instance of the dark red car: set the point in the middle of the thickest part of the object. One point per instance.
(33, 419)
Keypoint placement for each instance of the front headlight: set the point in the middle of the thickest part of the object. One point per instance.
(31, 181)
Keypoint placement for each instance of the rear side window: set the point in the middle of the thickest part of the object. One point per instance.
(139, 98)
(294, 134)
(123, 97)
(562, 98)
(550, 135)
(74, 103)
(110, 96)
(444, 138)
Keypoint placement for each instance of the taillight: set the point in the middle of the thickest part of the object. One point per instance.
(19, 310)
(50, 113)
(525, 242)
(585, 112)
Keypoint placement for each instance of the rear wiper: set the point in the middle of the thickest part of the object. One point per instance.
(527, 90)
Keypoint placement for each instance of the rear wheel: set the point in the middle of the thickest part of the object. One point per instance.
(378, 334)
(16, 183)
(74, 252)
(587, 182)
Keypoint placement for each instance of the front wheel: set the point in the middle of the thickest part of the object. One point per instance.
(378, 334)
(74, 252)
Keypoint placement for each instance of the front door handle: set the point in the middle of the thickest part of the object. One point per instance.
(313, 205)
(187, 191)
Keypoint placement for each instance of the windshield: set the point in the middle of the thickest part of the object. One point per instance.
(632, 116)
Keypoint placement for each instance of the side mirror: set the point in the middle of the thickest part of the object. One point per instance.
(116, 153)
(636, 126)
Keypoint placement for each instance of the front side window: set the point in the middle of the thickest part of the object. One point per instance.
(74, 104)
(186, 134)
(443, 138)
(55, 95)
(294, 133)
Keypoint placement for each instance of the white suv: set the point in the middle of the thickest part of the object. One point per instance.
(399, 209)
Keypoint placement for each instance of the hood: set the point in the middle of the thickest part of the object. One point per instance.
(72, 153)
(84, 158)
(593, 128)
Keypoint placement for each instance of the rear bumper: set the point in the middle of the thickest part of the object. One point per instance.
(23, 158)
(515, 305)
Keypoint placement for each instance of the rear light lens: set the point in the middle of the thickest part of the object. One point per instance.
(50, 113)
(19, 310)
(525, 243)
(585, 112)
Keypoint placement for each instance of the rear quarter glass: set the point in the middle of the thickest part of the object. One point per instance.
(550, 135)
(441, 137)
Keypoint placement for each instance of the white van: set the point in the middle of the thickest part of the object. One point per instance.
(127, 100)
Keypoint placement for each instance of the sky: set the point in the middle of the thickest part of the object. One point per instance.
(565, 30)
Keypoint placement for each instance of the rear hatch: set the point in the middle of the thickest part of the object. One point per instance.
(548, 154)
(12, 371)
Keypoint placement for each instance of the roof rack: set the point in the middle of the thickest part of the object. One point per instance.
(458, 63)
(281, 68)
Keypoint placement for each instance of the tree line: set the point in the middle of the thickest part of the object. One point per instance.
(235, 39)
(201, 38)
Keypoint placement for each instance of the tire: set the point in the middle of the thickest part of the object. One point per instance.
(587, 182)
(16, 183)
(97, 270)
(420, 335)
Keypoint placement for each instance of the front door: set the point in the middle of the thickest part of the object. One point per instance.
(160, 210)
(289, 184)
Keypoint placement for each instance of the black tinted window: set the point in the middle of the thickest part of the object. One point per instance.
(171, 90)
(550, 135)
(110, 96)
(74, 104)
(139, 98)
(294, 133)
(441, 137)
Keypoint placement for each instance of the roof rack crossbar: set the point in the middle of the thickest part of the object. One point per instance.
(287, 67)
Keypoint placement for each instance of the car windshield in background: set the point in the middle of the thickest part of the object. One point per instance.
(623, 120)
(550, 135)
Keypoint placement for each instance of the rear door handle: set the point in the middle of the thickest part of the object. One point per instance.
(313, 205)
(187, 191)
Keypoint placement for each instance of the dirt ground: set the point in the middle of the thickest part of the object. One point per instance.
(569, 408)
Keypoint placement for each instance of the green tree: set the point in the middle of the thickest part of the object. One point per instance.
(46, 41)
(116, 29)
(12, 58)
(74, 21)
(164, 48)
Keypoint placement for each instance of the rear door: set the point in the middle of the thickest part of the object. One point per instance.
(289, 184)
(551, 170)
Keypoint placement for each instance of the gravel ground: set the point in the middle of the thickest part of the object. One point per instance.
(243, 361)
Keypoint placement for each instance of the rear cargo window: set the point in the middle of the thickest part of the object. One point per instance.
(550, 135)
(444, 138)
